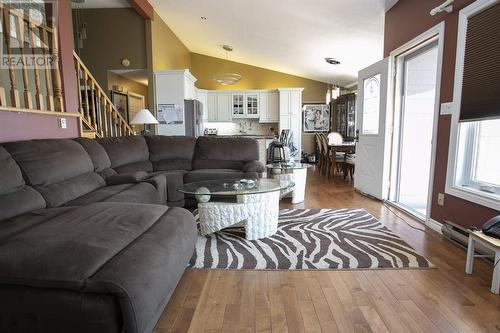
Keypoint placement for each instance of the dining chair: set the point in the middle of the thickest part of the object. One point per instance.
(337, 161)
(349, 165)
(319, 147)
(325, 170)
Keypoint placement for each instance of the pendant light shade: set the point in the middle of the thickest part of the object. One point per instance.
(227, 78)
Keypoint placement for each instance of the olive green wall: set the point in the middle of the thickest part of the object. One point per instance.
(205, 67)
(112, 34)
(167, 51)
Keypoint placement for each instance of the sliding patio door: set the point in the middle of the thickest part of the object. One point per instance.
(414, 124)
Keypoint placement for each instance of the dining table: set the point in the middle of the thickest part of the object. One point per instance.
(345, 147)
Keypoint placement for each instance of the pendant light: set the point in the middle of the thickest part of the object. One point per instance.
(227, 78)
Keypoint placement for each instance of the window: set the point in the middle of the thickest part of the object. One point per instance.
(478, 166)
(371, 105)
(474, 156)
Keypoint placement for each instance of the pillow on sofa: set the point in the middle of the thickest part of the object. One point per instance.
(15, 197)
(171, 152)
(127, 153)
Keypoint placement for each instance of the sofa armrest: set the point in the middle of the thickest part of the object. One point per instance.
(254, 166)
(160, 183)
(126, 178)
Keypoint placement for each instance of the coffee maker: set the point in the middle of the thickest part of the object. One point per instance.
(278, 151)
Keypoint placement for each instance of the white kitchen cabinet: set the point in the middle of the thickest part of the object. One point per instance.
(212, 107)
(223, 107)
(238, 106)
(202, 96)
(219, 106)
(290, 116)
(269, 107)
(252, 105)
(245, 104)
(173, 87)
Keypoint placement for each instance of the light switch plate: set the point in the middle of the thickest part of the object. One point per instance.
(446, 108)
(62, 123)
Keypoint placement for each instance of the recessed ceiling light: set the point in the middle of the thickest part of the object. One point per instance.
(332, 61)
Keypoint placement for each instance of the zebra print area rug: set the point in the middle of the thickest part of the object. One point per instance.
(310, 239)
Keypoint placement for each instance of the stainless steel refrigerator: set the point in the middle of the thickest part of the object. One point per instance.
(193, 116)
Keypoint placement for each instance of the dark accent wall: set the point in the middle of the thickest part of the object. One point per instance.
(406, 20)
(112, 34)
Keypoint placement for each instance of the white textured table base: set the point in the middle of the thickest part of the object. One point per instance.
(258, 213)
(299, 177)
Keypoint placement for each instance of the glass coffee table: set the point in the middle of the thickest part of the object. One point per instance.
(256, 207)
(291, 171)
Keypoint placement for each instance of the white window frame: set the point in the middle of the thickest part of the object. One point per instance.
(453, 187)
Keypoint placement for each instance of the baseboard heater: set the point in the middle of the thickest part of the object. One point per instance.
(459, 236)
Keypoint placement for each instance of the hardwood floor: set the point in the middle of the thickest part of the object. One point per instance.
(427, 300)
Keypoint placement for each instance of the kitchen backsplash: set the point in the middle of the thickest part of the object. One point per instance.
(243, 126)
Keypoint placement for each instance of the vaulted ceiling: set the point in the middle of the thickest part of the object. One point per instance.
(292, 36)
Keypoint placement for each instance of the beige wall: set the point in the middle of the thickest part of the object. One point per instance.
(204, 68)
(167, 51)
(112, 34)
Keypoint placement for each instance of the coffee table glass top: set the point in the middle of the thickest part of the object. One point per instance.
(236, 186)
(287, 165)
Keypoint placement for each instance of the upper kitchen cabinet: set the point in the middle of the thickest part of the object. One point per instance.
(245, 104)
(219, 106)
(269, 107)
(238, 108)
(174, 86)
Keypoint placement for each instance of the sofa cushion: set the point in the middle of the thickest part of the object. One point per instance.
(61, 170)
(127, 153)
(171, 152)
(135, 252)
(134, 193)
(224, 153)
(15, 196)
(20, 223)
(213, 174)
(97, 154)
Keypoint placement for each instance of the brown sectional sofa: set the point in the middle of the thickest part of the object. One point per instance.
(87, 241)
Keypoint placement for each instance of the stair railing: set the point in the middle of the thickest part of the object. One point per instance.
(97, 112)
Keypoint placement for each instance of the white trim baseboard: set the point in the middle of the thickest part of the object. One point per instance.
(434, 225)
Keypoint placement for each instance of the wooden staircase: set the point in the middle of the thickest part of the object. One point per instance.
(39, 88)
(99, 117)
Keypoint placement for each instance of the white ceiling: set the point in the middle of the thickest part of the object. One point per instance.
(290, 36)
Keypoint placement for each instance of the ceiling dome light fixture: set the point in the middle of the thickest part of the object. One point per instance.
(332, 61)
(227, 78)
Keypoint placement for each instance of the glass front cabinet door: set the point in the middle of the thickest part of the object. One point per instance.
(252, 101)
(238, 105)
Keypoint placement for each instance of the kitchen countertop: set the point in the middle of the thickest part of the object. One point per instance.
(251, 136)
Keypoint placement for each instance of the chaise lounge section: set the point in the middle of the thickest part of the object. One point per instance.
(87, 243)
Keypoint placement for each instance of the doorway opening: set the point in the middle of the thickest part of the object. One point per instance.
(416, 86)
